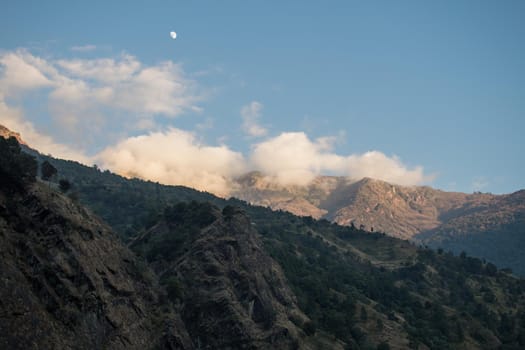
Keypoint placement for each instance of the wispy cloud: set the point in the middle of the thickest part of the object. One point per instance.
(479, 183)
(124, 83)
(84, 48)
(205, 125)
(22, 72)
(85, 96)
(250, 115)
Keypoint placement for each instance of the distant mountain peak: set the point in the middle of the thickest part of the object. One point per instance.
(400, 211)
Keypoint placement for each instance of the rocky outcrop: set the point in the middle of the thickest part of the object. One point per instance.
(6, 133)
(400, 211)
(233, 295)
(66, 282)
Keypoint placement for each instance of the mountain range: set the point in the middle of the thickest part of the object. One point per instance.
(482, 224)
(110, 262)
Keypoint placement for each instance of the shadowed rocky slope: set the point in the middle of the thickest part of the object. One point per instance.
(232, 294)
(217, 278)
(67, 281)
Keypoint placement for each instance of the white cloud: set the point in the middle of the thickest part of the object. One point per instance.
(175, 157)
(12, 119)
(205, 125)
(250, 115)
(479, 183)
(84, 96)
(377, 165)
(127, 86)
(21, 71)
(106, 70)
(292, 158)
(84, 48)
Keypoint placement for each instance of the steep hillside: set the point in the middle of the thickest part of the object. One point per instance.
(368, 288)
(125, 204)
(66, 280)
(398, 210)
(231, 291)
(484, 225)
(495, 232)
(232, 275)
(358, 289)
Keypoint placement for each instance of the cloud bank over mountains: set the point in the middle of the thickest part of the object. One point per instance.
(117, 103)
(291, 158)
(175, 157)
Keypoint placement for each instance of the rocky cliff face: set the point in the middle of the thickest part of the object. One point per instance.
(66, 282)
(232, 294)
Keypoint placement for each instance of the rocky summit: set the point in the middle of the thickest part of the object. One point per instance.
(400, 211)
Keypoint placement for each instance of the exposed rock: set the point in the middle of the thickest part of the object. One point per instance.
(66, 282)
(482, 224)
(399, 211)
(235, 296)
(6, 133)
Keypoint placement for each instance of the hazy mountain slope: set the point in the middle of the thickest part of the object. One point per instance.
(257, 189)
(398, 210)
(337, 272)
(484, 225)
(496, 232)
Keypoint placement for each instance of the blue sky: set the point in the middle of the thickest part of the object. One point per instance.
(438, 88)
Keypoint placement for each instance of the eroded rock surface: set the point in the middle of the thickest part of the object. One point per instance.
(66, 282)
(234, 295)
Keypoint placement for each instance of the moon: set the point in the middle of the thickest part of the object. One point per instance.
(173, 35)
